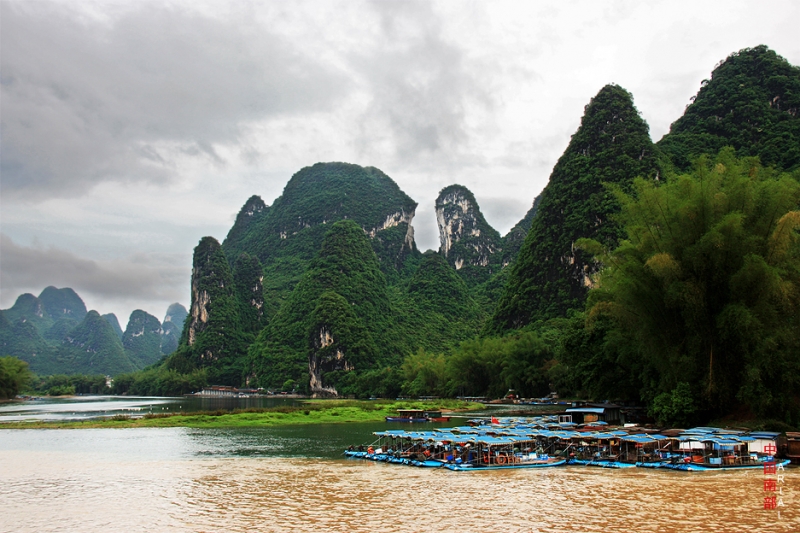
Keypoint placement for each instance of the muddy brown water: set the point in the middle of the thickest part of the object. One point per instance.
(294, 479)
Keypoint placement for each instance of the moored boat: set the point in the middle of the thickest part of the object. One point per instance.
(408, 415)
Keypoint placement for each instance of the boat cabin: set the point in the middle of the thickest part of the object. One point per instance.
(595, 412)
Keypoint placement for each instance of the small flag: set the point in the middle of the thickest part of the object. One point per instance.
(495, 421)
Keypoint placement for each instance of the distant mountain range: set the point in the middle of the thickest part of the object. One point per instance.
(55, 334)
(325, 289)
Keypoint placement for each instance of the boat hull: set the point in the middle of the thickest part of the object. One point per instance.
(470, 468)
(694, 467)
(601, 464)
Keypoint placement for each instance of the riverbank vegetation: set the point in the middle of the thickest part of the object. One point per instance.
(14, 375)
(309, 412)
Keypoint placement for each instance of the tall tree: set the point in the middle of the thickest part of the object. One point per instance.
(707, 285)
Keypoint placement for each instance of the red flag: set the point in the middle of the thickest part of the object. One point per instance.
(495, 421)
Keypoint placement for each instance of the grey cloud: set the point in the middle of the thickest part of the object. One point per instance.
(141, 277)
(422, 86)
(503, 213)
(85, 100)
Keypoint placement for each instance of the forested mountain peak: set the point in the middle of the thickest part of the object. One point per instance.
(214, 314)
(550, 276)
(287, 235)
(94, 346)
(142, 338)
(51, 305)
(176, 313)
(64, 302)
(318, 195)
(751, 102)
(467, 241)
(172, 327)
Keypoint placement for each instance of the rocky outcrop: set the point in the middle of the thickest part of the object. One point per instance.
(326, 356)
(214, 330)
(466, 239)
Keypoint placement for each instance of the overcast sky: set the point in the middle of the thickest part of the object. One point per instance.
(131, 129)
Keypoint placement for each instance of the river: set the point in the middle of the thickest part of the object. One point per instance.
(295, 479)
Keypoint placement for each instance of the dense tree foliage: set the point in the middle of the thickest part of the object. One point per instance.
(438, 310)
(286, 236)
(160, 381)
(14, 375)
(706, 287)
(513, 240)
(112, 320)
(483, 367)
(751, 102)
(248, 276)
(93, 348)
(346, 265)
(550, 276)
(213, 337)
(62, 384)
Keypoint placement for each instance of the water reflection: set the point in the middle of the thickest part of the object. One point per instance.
(88, 407)
(243, 480)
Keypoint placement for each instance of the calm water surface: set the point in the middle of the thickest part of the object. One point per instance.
(294, 479)
(86, 407)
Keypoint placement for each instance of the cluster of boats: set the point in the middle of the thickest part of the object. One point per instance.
(510, 443)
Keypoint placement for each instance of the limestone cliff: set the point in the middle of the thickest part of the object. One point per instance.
(466, 239)
(338, 341)
(213, 332)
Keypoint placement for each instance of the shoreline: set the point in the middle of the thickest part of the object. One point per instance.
(312, 412)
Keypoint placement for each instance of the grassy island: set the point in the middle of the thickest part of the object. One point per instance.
(311, 412)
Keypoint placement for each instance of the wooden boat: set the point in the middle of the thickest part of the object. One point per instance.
(713, 449)
(793, 446)
(408, 415)
(535, 463)
(708, 467)
(436, 416)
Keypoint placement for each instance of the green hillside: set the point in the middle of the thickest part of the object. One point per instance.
(550, 276)
(287, 235)
(347, 266)
(92, 348)
(142, 339)
(751, 102)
